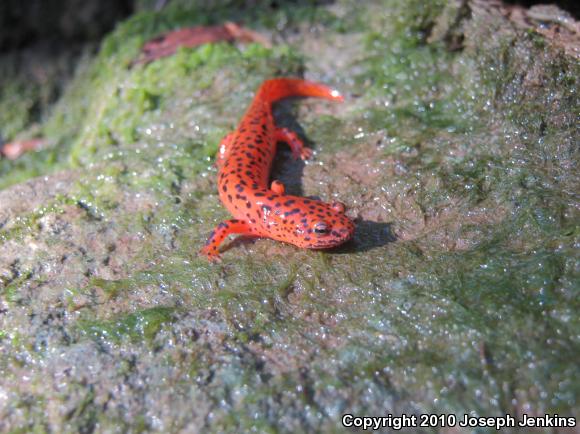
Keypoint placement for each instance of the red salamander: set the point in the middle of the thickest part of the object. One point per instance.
(244, 160)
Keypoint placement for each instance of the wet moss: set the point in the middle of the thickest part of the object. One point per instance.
(11, 289)
(139, 326)
(460, 293)
(29, 224)
(112, 288)
(16, 106)
(108, 103)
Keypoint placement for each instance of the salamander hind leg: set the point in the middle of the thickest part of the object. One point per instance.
(217, 236)
(296, 145)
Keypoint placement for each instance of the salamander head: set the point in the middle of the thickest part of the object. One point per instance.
(324, 226)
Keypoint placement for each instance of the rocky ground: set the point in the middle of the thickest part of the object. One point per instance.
(455, 151)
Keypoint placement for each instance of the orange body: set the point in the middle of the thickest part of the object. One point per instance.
(244, 160)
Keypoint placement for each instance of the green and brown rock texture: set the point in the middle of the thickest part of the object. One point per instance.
(456, 150)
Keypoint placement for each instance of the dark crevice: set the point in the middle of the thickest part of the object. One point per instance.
(60, 22)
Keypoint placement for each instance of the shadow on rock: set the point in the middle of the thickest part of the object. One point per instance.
(284, 168)
(368, 235)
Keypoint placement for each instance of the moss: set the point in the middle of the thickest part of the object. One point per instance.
(11, 291)
(112, 288)
(28, 166)
(138, 326)
(16, 106)
(460, 294)
(84, 415)
(108, 103)
(29, 224)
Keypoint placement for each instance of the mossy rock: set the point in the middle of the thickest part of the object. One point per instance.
(455, 153)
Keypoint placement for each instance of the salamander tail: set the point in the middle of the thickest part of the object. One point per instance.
(278, 88)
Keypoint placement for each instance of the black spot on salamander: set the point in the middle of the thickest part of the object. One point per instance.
(254, 186)
(239, 188)
(248, 205)
(307, 238)
(259, 194)
(222, 225)
(289, 202)
(294, 211)
(266, 208)
(306, 201)
(241, 197)
(230, 197)
(335, 234)
(224, 188)
(277, 204)
(270, 197)
(249, 154)
(242, 182)
(249, 173)
(234, 221)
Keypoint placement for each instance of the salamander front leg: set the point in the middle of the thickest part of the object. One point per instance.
(216, 237)
(296, 145)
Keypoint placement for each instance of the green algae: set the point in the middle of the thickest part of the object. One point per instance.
(17, 102)
(107, 102)
(112, 288)
(141, 325)
(29, 224)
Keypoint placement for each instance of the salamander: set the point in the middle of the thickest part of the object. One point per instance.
(244, 161)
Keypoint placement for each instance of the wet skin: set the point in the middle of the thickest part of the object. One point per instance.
(245, 159)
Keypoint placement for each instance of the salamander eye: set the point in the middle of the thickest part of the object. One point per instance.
(338, 207)
(321, 228)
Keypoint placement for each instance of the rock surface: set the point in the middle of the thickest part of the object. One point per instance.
(455, 150)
